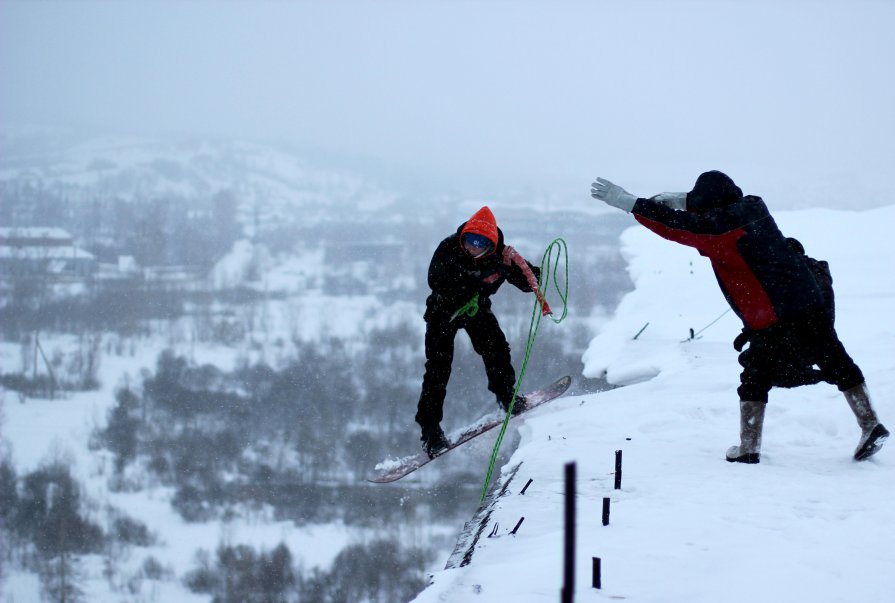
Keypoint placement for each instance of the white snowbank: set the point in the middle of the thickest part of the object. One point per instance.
(807, 524)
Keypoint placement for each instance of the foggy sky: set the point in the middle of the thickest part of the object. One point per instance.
(793, 99)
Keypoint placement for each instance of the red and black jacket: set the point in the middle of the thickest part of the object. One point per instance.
(763, 279)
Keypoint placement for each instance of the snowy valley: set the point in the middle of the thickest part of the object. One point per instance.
(237, 345)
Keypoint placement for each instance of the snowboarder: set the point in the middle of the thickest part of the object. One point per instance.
(466, 269)
(771, 289)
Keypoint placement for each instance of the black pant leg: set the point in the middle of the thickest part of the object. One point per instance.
(811, 339)
(490, 343)
(820, 338)
(759, 366)
(439, 356)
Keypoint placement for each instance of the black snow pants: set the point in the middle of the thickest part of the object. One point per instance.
(774, 352)
(487, 340)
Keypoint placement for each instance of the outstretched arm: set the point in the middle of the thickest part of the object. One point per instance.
(616, 196)
(660, 214)
(524, 275)
(676, 201)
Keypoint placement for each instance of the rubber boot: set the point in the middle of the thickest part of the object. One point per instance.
(751, 423)
(873, 434)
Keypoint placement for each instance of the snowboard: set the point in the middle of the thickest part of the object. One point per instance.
(393, 470)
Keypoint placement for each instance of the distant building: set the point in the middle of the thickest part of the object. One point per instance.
(175, 278)
(125, 272)
(43, 253)
(48, 257)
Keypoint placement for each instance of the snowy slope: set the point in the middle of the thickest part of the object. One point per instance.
(807, 524)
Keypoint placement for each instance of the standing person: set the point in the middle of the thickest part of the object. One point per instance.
(770, 288)
(467, 268)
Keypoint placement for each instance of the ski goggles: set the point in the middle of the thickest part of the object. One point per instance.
(476, 244)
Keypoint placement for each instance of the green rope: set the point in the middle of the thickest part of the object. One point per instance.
(549, 267)
(470, 309)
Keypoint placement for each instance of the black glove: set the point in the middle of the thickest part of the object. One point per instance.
(741, 340)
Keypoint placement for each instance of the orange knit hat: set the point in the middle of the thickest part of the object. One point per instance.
(482, 223)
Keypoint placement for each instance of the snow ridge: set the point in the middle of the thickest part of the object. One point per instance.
(806, 524)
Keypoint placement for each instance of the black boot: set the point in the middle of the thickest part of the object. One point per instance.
(518, 406)
(433, 440)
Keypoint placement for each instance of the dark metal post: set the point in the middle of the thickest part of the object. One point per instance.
(618, 469)
(605, 511)
(642, 329)
(527, 484)
(568, 589)
(597, 579)
(513, 533)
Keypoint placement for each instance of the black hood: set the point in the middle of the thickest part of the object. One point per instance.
(713, 189)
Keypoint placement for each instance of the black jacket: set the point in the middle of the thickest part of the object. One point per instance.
(455, 277)
(762, 278)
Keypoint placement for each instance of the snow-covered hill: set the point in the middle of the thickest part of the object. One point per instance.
(282, 185)
(807, 524)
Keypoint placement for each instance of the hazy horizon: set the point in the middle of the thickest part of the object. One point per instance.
(788, 97)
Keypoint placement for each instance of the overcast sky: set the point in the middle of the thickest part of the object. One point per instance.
(791, 98)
